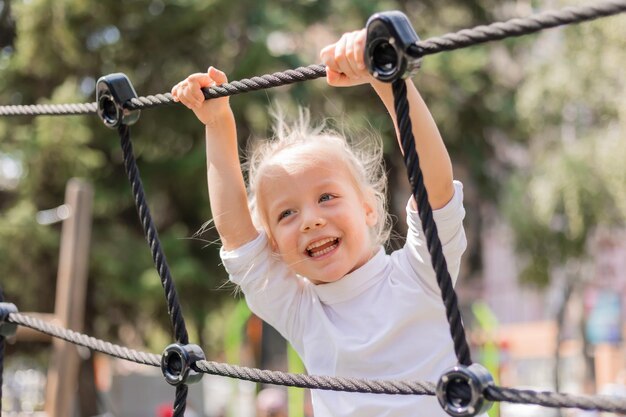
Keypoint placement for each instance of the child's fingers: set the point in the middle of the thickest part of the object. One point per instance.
(338, 79)
(346, 56)
(353, 70)
(332, 77)
(327, 55)
(191, 91)
(218, 76)
(359, 49)
(174, 92)
(343, 55)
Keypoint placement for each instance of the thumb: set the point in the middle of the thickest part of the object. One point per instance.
(218, 76)
(334, 78)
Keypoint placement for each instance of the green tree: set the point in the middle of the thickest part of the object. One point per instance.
(55, 51)
(572, 104)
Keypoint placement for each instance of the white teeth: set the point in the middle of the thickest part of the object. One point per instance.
(320, 243)
(323, 251)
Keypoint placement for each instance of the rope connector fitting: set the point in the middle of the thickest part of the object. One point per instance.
(177, 363)
(112, 92)
(460, 390)
(7, 328)
(390, 46)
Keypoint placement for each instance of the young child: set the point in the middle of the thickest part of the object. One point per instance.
(304, 244)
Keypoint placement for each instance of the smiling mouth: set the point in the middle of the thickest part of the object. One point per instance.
(322, 247)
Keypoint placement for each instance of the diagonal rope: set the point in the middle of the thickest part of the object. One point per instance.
(160, 262)
(438, 260)
(173, 305)
(493, 393)
(451, 41)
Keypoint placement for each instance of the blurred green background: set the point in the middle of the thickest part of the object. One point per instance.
(535, 127)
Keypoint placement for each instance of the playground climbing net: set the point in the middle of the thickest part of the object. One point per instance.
(393, 52)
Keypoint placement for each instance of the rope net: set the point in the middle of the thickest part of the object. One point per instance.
(461, 39)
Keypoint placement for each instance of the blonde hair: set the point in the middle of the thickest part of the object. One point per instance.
(363, 159)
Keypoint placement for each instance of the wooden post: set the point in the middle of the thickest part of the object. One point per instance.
(69, 308)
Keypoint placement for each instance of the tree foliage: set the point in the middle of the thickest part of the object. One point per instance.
(55, 50)
(573, 105)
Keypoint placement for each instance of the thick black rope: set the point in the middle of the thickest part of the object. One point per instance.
(416, 179)
(520, 26)
(160, 262)
(173, 305)
(493, 393)
(448, 42)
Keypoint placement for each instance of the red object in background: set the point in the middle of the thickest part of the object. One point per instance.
(165, 410)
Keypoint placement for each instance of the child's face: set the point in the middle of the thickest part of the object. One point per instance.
(317, 218)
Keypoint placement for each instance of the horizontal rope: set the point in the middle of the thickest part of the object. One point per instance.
(461, 39)
(49, 109)
(520, 26)
(84, 340)
(493, 393)
(605, 403)
(329, 383)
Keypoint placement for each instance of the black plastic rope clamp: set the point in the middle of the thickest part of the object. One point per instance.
(177, 363)
(112, 91)
(475, 377)
(7, 328)
(389, 46)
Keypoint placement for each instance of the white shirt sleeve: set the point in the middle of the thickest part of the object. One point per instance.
(449, 221)
(272, 291)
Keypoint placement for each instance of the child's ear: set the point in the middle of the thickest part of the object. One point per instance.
(371, 217)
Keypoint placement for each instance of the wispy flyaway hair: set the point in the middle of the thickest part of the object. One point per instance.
(363, 158)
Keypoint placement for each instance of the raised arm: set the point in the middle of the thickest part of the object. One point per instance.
(227, 191)
(345, 67)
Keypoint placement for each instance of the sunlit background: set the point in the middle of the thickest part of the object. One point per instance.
(536, 128)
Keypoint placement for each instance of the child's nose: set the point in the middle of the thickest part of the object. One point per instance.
(312, 222)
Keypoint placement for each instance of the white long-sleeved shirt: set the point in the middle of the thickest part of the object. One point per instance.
(385, 320)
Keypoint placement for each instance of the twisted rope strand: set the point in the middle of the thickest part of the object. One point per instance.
(180, 401)
(519, 26)
(84, 340)
(49, 109)
(557, 400)
(245, 85)
(327, 383)
(448, 42)
(492, 393)
(173, 305)
(438, 260)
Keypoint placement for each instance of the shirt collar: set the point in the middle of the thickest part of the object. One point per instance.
(353, 283)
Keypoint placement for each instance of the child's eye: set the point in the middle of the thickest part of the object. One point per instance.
(326, 197)
(284, 213)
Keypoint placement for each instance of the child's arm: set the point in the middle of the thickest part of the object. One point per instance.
(345, 67)
(227, 191)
